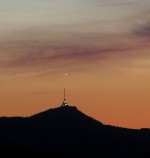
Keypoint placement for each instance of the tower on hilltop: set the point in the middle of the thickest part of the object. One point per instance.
(64, 101)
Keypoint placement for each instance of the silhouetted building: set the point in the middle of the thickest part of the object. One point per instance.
(64, 101)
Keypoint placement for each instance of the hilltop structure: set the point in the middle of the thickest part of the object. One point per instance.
(64, 101)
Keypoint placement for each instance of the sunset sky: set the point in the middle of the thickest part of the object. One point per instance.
(103, 46)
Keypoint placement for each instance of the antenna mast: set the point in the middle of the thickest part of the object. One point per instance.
(64, 92)
(64, 101)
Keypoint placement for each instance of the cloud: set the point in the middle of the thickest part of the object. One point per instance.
(41, 92)
(49, 56)
(31, 60)
(143, 30)
(55, 52)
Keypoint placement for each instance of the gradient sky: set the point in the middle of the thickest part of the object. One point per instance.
(103, 46)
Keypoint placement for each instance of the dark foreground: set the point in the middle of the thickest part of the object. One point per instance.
(68, 133)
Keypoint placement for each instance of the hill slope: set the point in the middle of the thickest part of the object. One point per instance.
(67, 132)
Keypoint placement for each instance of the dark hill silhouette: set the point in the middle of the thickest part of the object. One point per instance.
(67, 132)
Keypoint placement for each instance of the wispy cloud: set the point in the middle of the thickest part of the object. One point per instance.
(75, 51)
(143, 30)
(42, 92)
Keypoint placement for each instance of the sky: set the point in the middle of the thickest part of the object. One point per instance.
(103, 46)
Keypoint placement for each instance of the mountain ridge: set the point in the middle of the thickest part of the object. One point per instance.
(68, 132)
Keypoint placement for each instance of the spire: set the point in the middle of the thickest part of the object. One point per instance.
(64, 101)
(64, 92)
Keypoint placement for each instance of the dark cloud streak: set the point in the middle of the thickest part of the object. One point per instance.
(59, 57)
(143, 30)
(63, 51)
